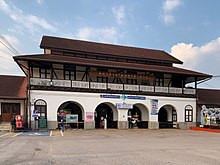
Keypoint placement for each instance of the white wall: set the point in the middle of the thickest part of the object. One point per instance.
(90, 101)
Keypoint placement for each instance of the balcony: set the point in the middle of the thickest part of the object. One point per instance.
(103, 87)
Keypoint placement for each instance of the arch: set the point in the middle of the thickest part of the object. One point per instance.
(188, 113)
(167, 116)
(140, 114)
(40, 106)
(72, 113)
(106, 112)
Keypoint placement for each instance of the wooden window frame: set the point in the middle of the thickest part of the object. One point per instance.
(188, 113)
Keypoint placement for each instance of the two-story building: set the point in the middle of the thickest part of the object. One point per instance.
(95, 85)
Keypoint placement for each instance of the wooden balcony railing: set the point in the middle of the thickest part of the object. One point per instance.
(110, 86)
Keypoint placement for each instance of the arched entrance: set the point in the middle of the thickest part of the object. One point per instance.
(105, 113)
(72, 114)
(167, 117)
(138, 116)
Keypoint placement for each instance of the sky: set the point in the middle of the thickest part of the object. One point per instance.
(187, 29)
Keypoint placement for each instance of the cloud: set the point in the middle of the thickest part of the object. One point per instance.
(119, 13)
(29, 22)
(40, 2)
(100, 34)
(168, 7)
(196, 56)
(7, 64)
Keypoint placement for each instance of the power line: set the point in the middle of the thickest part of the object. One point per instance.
(6, 41)
(217, 76)
(8, 53)
(8, 45)
(209, 85)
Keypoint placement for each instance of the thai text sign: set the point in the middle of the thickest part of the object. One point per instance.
(124, 106)
(123, 97)
(89, 116)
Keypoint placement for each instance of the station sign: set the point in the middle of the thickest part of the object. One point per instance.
(124, 106)
(123, 97)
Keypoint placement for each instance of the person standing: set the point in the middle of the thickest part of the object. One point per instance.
(13, 123)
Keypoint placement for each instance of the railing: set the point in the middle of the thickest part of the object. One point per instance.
(110, 86)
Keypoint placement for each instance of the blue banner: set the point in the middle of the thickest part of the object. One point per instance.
(123, 97)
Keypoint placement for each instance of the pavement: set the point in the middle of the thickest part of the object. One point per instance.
(114, 147)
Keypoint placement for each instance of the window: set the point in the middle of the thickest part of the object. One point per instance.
(112, 59)
(69, 72)
(6, 109)
(44, 73)
(16, 110)
(35, 72)
(102, 79)
(159, 80)
(69, 75)
(122, 60)
(57, 52)
(101, 58)
(174, 115)
(131, 80)
(132, 61)
(80, 55)
(41, 107)
(10, 108)
(140, 61)
(188, 113)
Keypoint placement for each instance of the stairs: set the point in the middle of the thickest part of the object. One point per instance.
(5, 126)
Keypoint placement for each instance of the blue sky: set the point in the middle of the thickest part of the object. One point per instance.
(187, 29)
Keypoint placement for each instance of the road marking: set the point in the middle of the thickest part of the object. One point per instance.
(51, 132)
(61, 132)
(17, 134)
(4, 134)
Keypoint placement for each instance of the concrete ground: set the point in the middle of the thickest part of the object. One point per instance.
(101, 147)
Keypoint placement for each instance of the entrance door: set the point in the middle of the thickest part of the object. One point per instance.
(162, 118)
(134, 117)
(103, 111)
(9, 110)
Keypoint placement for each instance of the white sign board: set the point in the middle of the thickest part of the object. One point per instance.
(124, 106)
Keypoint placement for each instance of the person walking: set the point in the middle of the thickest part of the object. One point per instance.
(62, 125)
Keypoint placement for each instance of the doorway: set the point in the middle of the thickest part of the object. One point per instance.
(134, 117)
(71, 113)
(104, 113)
(9, 110)
(167, 117)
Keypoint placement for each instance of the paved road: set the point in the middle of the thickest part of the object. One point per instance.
(100, 147)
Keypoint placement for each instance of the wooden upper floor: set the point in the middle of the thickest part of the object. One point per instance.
(73, 65)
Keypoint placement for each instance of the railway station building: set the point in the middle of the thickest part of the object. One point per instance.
(93, 85)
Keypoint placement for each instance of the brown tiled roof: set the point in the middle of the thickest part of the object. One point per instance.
(106, 49)
(13, 87)
(110, 64)
(208, 96)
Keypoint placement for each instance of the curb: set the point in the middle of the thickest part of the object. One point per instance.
(205, 129)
